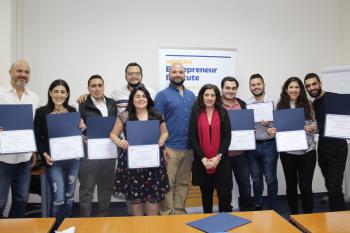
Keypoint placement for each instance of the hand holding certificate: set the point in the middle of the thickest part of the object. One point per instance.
(65, 136)
(143, 149)
(262, 111)
(242, 130)
(16, 122)
(337, 123)
(291, 135)
(100, 146)
(337, 126)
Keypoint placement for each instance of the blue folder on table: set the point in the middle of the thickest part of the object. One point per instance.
(142, 132)
(99, 127)
(242, 119)
(337, 103)
(16, 116)
(289, 119)
(218, 223)
(63, 125)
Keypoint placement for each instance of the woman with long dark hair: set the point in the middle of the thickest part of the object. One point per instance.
(61, 175)
(210, 137)
(298, 166)
(144, 188)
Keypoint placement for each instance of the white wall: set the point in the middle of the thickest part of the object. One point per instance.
(74, 39)
(5, 40)
(344, 26)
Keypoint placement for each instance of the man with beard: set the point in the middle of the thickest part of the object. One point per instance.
(332, 152)
(133, 77)
(15, 168)
(239, 159)
(262, 161)
(175, 103)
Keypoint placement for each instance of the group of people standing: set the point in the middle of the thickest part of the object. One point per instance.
(195, 134)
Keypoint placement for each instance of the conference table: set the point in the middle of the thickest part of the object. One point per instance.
(26, 225)
(262, 221)
(328, 222)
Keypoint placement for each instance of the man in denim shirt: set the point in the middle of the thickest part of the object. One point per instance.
(175, 103)
(262, 161)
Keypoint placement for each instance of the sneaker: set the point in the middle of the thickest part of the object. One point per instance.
(257, 207)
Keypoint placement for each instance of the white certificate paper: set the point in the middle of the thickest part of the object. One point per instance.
(262, 111)
(337, 126)
(143, 156)
(101, 148)
(242, 140)
(17, 141)
(63, 148)
(291, 140)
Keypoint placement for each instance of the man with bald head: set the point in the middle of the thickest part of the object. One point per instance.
(175, 103)
(15, 168)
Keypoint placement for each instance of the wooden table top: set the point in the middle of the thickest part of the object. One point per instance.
(26, 225)
(262, 221)
(333, 222)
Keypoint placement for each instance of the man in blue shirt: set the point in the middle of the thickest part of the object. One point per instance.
(175, 103)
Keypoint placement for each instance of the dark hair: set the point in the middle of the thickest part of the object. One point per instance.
(131, 108)
(133, 64)
(58, 82)
(312, 75)
(95, 76)
(254, 76)
(199, 106)
(301, 102)
(228, 79)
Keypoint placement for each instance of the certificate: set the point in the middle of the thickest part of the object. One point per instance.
(242, 140)
(262, 111)
(63, 148)
(17, 141)
(337, 126)
(291, 141)
(143, 156)
(101, 148)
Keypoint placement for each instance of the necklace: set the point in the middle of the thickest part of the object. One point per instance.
(59, 110)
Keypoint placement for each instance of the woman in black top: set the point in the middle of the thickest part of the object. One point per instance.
(61, 175)
(143, 187)
(210, 137)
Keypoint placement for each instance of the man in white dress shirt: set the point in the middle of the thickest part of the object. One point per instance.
(15, 168)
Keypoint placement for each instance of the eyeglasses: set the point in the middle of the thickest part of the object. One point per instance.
(133, 73)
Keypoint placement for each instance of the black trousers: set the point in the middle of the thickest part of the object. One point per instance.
(332, 157)
(224, 196)
(299, 169)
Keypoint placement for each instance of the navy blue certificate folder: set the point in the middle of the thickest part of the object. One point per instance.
(337, 103)
(218, 223)
(16, 116)
(142, 132)
(63, 125)
(289, 119)
(242, 119)
(99, 127)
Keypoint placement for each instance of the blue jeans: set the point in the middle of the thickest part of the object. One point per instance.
(62, 178)
(16, 176)
(263, 162)
(241, 170)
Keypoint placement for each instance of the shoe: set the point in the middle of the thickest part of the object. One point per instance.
(257, 207)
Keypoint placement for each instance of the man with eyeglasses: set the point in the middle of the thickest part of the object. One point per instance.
(133, 77)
